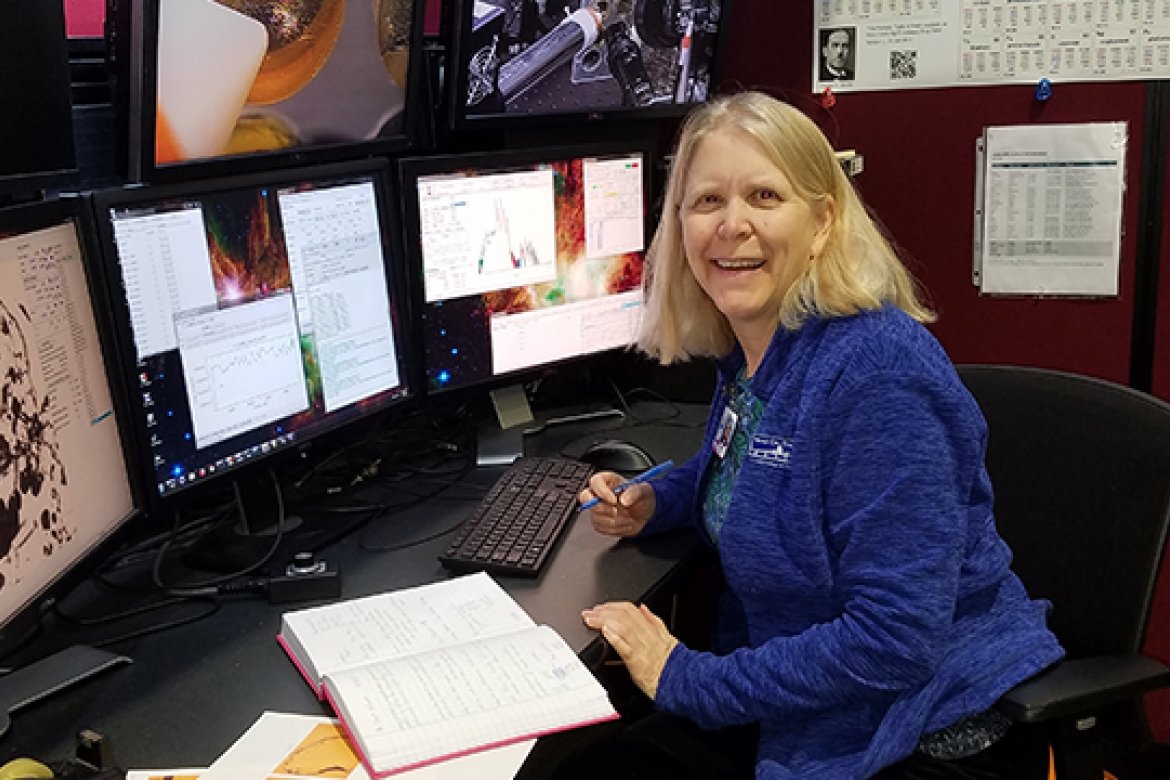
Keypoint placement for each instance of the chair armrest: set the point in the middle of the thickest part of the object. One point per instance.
(1078, 686)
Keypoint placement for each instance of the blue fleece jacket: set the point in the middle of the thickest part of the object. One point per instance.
(870, 596)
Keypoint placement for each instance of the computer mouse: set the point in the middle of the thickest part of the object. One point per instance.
(618, 455)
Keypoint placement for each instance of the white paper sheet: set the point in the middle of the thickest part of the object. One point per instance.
(1051, 209)
(903, 44)
(283, 746)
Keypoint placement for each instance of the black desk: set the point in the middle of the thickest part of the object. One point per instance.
(193, 690)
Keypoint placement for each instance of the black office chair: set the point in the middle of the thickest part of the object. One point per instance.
(1081, 473)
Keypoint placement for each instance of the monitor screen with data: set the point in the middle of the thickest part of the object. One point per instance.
(255, 312)
(64, 482)
(525, 259)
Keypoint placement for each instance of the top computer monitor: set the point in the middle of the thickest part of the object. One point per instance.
(65, 486)
(255, 312)
(226, 85)
(36, 134)
(592, 59)
(525, 259)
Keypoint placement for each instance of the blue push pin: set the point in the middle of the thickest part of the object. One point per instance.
(1043, 90)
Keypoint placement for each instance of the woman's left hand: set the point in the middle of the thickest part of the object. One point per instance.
(639, 636)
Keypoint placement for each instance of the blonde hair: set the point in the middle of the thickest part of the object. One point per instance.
(857, 270)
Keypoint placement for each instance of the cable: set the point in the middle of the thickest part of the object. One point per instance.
(196, 587)
(620, 396)
(417, 446)
(213, 608)
(417, 498)
(674, 414)
(406, 487)
(364, 545)
(102, 620)
(145, 549)
(113, 617)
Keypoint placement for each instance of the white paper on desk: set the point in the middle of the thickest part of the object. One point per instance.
(284, 746)
(1051, 209)
(165, 774)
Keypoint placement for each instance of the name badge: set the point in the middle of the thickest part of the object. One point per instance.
(727, 423)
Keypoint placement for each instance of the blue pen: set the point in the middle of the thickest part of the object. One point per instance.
(646, 475)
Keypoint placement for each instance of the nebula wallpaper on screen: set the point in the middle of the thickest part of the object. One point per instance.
(457, 336)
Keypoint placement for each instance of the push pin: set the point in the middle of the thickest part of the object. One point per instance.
(1043, 90)
(828, 98)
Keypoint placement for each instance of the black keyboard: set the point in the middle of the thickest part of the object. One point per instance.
(518, 522)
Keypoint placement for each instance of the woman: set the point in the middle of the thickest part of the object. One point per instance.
(870, 620)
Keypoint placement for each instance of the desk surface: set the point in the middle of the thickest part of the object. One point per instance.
(193, 690)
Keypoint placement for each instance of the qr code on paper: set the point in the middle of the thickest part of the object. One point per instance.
(903, 65)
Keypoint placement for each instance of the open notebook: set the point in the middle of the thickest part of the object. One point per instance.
(442, 670)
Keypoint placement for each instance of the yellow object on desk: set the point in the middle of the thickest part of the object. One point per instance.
(24, 769)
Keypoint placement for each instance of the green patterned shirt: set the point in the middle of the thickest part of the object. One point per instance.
(722, 472)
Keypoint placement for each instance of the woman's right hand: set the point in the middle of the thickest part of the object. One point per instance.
(624, 514)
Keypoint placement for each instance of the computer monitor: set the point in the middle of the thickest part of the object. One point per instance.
(36, 135)
(519, 60)
(254, 314)
(232, 85)
(65, 486)
(524, 260)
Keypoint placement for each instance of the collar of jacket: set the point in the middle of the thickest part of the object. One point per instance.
(776, 357)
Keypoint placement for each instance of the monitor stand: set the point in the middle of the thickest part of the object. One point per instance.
(259, 512)
(499, 446)
(53, 673)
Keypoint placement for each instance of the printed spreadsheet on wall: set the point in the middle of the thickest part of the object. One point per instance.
(1048, 209)
(904, 44)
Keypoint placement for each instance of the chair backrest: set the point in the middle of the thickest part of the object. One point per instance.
(1080, 468)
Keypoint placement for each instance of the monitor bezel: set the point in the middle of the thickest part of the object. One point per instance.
(409, 171)
(40, 215)
(30, 181)
(456, 82)
(126, 351)
(141, 50)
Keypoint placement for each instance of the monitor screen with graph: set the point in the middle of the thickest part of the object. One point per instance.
(525, 259)
(255, 312)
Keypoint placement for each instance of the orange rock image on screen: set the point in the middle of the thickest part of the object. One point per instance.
(244, 76)
(208, 58)
(301, 36)
(394, 22)
(216, 55)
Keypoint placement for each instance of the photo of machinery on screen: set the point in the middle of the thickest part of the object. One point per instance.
(553, 56)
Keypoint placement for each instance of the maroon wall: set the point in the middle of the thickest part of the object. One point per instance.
(919, 152)
(918, 147)
(433, 17)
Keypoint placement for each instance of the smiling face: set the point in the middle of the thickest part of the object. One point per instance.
(747, 234)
